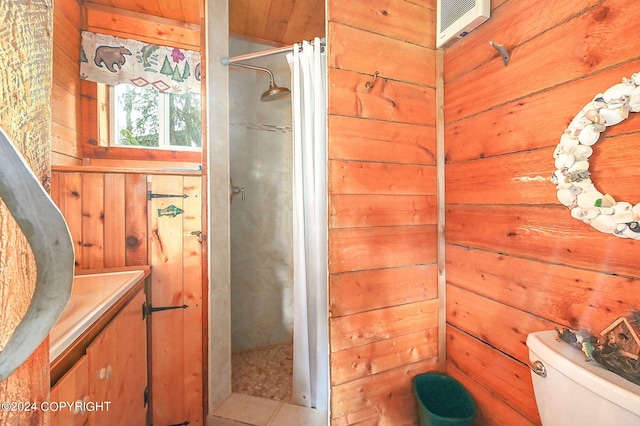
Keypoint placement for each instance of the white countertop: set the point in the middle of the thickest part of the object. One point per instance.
(91, 296)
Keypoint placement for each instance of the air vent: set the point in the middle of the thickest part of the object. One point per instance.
(456, 18)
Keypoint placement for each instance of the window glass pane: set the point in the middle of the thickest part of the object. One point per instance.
(185, 120)
(136, 115)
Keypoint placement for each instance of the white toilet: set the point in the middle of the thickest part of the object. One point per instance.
(577, 392)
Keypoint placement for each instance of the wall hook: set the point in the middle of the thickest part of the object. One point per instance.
(502, 51)
(368, 86)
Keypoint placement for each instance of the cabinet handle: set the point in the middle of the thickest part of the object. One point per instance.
(79, 408)
(84, 402)
(81, 404)
(106, 372)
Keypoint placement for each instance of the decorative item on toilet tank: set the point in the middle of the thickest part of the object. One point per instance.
(617, 349)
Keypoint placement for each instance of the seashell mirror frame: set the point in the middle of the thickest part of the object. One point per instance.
(574, 186)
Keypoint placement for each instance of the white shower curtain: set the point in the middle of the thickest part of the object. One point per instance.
(310, 252)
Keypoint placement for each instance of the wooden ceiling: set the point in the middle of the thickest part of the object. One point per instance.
(277, 22)
(178, 10)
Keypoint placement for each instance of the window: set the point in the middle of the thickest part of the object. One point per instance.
(147, 118)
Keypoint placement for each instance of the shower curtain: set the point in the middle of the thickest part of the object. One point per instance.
(310, 253)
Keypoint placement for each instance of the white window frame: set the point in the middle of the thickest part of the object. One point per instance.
(164, 124)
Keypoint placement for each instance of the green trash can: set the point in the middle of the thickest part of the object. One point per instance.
(442, 401)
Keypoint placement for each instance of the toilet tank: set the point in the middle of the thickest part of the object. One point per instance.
(577, 392)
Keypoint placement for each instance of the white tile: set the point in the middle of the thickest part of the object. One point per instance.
(295, 415)
(219, 421)
(247, 409)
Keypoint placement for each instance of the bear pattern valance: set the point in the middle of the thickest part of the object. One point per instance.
(113, 60)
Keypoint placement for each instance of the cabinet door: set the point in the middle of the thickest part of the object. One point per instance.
(71, 388)
(118, 369)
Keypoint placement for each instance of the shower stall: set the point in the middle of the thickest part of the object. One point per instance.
(279, 258)
(261, 158)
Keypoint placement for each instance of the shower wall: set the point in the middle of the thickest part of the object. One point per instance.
(261, 156)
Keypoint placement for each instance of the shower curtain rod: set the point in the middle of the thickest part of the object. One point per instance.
(227, 61)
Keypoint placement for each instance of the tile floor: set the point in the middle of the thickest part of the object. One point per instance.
(243, 410)
(261, 384)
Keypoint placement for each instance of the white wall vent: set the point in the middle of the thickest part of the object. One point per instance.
(456, 18)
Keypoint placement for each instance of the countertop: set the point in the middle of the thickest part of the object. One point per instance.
(92, 295)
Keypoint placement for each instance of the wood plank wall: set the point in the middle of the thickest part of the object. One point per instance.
(107, 217)
(66, 90)
(516, 262)
(382, 189)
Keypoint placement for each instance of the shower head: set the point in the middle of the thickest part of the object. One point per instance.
(273, 92)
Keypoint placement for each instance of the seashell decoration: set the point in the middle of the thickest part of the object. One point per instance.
(565, 161)
(635, 78)
(574, 187)
(618, 91)
(566, 197)
(614, 116)
(582, 152)
(634, 100)
(588, 199)
(603, 223)
(588, 135)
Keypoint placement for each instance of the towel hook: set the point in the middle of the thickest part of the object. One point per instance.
(504, 53)
(368, 86)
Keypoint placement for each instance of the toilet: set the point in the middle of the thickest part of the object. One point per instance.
(577, 392)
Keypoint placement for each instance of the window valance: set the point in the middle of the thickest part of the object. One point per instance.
(114, 60)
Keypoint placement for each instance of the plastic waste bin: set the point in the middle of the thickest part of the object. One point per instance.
(442, 401)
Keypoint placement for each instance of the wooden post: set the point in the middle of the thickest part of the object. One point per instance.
(25, 116)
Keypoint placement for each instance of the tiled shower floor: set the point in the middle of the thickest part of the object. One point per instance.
(264, 372)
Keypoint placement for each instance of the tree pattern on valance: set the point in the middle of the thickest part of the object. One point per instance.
(114, 60)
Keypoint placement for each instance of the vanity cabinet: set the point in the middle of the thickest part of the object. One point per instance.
(111, 379)
(118, 368)
(72, 388)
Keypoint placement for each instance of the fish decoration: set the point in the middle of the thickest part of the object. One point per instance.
(171, 210)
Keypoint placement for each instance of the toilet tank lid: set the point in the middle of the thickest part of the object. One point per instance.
(571, 362)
